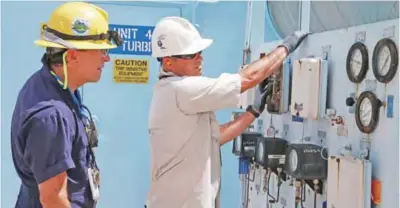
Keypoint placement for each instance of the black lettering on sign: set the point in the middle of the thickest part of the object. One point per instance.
(122, 62)
(131, 71)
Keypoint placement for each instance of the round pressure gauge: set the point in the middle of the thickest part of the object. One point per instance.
(385, 60)
(357, 62)
(367, 112)
(293, 160)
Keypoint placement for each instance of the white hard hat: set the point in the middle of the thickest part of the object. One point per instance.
(176, 36)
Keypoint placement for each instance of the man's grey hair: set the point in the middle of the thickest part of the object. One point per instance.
(53, 56)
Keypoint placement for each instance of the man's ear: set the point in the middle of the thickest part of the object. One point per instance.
(167, 61)
(71, 55)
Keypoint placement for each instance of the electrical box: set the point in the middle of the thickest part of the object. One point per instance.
(278, 90)
(270, 152)
(349, 182)
(309, 88)
(245, 144)
(306, 162)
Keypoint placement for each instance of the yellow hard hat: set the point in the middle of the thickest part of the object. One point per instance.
(78, 25)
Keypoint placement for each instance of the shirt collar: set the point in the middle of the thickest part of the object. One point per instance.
(65, 94)
(163, 73)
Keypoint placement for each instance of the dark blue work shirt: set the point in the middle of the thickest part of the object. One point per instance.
(47, 138)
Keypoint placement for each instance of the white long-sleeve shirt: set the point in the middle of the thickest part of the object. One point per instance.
(184, 139)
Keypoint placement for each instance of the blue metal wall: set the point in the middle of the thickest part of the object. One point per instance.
(121, 109)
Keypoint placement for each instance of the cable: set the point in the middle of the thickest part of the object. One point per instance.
(303, 193)
(322, 150)
(269, 176)
(315, 182)
(248, 191)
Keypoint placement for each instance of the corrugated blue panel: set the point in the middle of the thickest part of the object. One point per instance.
(330, 15)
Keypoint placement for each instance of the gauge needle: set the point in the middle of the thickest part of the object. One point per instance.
(358, 62)
(366, 113)
(384, 64)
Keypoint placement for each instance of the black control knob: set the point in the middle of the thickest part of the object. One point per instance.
(350, 101)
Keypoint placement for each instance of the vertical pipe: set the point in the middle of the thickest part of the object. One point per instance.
(248, 24)
(305, 13)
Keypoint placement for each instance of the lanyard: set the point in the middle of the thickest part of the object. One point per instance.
(78, 101)
(75, 96)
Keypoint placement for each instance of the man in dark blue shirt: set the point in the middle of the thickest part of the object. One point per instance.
(51, 137)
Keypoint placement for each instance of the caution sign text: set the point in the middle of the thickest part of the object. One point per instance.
(131, 71)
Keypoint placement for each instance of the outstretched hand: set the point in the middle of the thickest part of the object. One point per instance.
(292, 41)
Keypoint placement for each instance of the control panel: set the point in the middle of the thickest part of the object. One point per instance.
(277, 87)
(330, 126)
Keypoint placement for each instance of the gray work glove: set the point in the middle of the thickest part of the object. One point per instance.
(259, 104)
(292, 41)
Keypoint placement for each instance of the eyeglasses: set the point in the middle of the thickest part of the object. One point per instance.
(188, 56)
(105, 51)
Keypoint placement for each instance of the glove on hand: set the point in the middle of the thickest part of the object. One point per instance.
(292, 41)
(259, 104)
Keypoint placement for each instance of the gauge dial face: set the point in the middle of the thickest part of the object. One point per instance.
(260, 154)
(384, 60)
(293, 160)
(365, 111)
(356, 62)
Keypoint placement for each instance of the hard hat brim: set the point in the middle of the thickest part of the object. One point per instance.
(200, 45)
(77, 45)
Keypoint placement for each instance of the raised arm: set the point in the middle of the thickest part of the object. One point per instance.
(254, 74)
(259, 70)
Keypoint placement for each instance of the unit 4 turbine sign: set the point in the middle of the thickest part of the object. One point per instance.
(137, 39)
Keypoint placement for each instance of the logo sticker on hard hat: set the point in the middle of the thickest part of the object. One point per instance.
(160, 43)
(80, 26)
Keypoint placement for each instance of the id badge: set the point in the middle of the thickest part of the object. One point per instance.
(94, 181)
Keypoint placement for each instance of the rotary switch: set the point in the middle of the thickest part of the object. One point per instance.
(350, 101)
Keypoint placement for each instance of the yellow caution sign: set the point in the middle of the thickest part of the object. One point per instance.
(131, 71)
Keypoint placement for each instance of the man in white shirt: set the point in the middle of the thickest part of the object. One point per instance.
(185, 137)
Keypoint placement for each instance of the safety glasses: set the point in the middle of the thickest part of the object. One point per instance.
(188, 56)
(105, 51)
